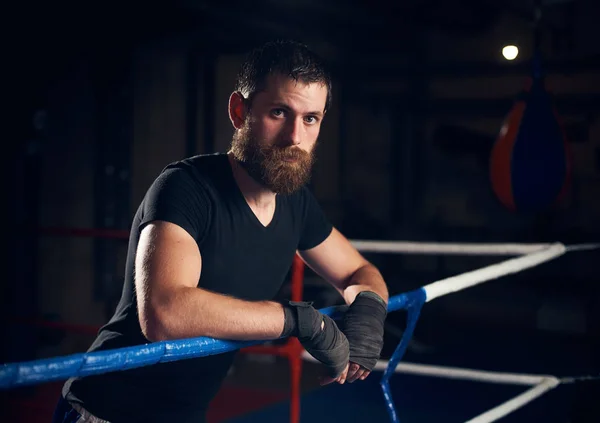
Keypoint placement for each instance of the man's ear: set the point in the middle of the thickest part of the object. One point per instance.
(237, 109)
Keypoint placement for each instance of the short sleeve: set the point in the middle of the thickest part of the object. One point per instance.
(176, 197)
(316, 227)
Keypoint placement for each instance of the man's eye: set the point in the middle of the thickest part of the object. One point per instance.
(310, 119)
(277, 112)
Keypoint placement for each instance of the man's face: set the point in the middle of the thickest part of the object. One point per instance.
(276, 142)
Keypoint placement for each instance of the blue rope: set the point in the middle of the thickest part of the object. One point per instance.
(412, 302)
(91, 363)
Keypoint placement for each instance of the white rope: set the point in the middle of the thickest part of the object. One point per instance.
(531, 256)
(475, 277)
(583, 247)
(368, 246)
(466, 374)
(515, 403)
(540, 383)
(457, 373)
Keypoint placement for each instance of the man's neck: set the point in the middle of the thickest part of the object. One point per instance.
(256, 194)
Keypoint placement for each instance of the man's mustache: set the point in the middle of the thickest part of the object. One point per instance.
(286, 153)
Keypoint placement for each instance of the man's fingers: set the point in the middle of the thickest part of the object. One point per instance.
(357, 375)
(326, 380)
(352, 369)
(342, 378)
(350, 374)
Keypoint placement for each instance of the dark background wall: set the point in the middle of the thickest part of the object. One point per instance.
(106, 94)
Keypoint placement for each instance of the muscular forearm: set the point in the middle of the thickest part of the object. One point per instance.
(366, 278)
(193, 312)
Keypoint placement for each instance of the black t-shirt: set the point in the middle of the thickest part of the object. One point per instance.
(240, 257)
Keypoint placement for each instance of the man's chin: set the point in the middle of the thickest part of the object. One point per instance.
(287, 188)
(286, 177)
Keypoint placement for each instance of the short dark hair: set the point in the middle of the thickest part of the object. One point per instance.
(285, 57)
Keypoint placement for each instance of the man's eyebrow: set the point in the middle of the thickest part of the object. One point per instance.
(285, 106)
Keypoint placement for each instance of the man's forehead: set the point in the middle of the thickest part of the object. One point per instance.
(279, 80)
(276, 85)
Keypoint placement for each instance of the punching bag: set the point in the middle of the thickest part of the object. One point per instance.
(530, 166)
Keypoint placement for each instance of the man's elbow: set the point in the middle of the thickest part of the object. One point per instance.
(154, 326)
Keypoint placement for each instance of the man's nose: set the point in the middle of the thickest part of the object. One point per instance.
(294, 132)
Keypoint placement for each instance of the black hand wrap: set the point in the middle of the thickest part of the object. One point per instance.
(363, 326)
(328, 345)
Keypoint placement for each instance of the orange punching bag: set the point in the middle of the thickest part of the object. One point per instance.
(530, 166)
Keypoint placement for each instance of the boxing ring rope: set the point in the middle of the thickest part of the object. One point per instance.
(396, 247)
(60, 368)
(540, 383)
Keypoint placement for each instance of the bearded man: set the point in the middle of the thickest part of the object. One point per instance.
(211, 244)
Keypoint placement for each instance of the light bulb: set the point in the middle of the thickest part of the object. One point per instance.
(510, 52)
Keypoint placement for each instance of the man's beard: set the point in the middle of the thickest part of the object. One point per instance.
(268, 165)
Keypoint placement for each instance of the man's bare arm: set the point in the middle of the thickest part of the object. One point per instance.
(171, 306)
(338, 262)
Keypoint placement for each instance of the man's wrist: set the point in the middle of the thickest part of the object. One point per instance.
(373, 295)
(300, 319)
(370, 305)
(290, 323)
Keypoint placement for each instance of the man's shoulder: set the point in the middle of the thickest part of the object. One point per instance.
(205, 163)
(203, 167)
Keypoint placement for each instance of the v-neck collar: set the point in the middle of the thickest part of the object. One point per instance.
(246, 207)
